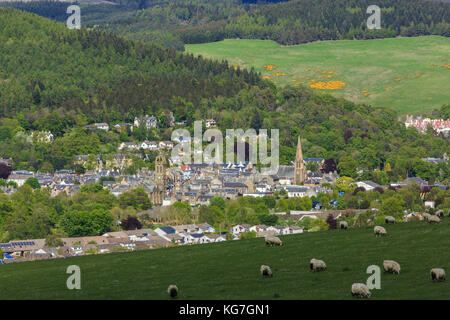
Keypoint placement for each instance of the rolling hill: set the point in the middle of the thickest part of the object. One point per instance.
(230, 270)
(175, 23)
(410, 75)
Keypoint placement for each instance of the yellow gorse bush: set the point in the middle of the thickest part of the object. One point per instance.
(269, 67)
(328, 85)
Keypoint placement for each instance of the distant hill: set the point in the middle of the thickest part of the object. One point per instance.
(175, 23)
(44, 64)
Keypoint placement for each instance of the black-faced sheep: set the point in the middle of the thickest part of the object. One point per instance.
(379, 231)
(273, 241)
(440, 213)
(391, 266)
(266, 271)
(389, 219)
(317, 265)
(360, 290)
(437, 274)
(172, 291)
(343, 225)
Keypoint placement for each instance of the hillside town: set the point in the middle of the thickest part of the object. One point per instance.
(195, 184)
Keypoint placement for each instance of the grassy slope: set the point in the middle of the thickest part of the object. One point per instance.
(371, 65)
(230, 270)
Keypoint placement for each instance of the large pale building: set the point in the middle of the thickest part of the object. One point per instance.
(299, 166)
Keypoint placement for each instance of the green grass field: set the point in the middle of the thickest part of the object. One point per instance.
(230, 270)
(406, 74)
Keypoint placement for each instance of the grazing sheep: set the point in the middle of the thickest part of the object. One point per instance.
(379, 231)
(317, 265)
(360, 290)
(389, 219)
(391, 266)
(440, 213)
(173, 291)
(437, 274)
(265, 271)
(433, 219)
(343, 225)
(273, 241)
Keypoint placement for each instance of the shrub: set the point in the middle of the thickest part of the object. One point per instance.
(248, 235)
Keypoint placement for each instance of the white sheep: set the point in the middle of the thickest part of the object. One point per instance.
(389, 219)
(266, 271)
(426, 216)
(343, 225)
(379, 231)
(391, 266)
(360, 290)
(437, 274)
(172, 291)
(273, 241)
(317, 265)
(440, 213)
(433, 219)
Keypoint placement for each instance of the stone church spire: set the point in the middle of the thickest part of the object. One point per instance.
(299, 167)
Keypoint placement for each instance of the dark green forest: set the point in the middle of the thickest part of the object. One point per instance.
(174, 23)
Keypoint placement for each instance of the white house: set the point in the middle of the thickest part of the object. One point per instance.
(165, 145)
(149, 122)
(258, 228)
(199, 238)
(162, 231)
(279, 229)
(240, 228)
(295, 191)
(42, 136)
(128, 146)
(101, 126)
(210, 123)
(215, 237)
(149, 145)
(368, 185)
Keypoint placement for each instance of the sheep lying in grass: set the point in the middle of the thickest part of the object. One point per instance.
(360, 290)
(379, 231)
(265, 271)
(391, 266)
(433, 219)
(426, 216)
(389, 219)
(317, 265)
(273, 241)
(343, 225)
(173, 291)
(440, 213)
(437, 274)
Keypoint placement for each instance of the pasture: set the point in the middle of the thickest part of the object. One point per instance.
(231, 270)
(411, 75)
